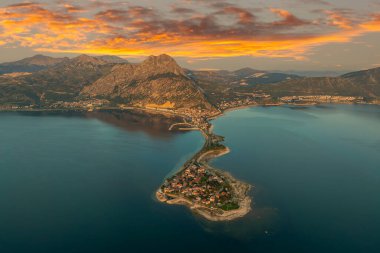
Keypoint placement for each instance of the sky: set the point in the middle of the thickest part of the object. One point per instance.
(303, 35)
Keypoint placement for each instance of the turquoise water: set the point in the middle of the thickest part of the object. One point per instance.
(316, 172)
(86, 183)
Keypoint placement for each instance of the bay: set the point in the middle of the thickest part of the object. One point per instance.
(85, 183)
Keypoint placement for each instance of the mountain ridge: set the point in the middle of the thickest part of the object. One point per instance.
(364, 83)
(30, 64)
(62, 81)
(157, 81)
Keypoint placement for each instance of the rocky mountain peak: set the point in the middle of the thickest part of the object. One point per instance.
(160, 59)
(157, 81)
(162, 64)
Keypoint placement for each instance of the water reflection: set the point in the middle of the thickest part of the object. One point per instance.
(154, 125)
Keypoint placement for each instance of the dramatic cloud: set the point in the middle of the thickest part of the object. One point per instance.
(222, 29)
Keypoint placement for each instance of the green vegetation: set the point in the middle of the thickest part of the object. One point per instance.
(215, 146)
(230, 206)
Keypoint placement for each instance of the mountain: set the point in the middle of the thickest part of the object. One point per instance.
(266, 78)
(311, 73)
(31, 64)
(366, 77)
(245, 72)
(225, 85)
(41, 62)
(364, 83)
(112, 59)
(157, 82)
(242, 77)
(60, 82)
(251, 77)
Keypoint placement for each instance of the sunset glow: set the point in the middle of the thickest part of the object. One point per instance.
(182, 28)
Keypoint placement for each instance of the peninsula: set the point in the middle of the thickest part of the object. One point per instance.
(158, 85)
(207, 191)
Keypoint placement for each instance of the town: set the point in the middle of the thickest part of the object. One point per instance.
(201, 186)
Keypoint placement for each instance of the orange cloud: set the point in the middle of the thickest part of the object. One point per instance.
(337, 19)
(372, 26)
(140, 31)
(288, 18)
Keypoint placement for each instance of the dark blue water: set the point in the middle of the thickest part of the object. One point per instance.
(85, 184)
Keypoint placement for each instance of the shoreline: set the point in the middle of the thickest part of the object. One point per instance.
(105, 109)
(286, 104)
(203, 157)
(168, 112)
(240, 188)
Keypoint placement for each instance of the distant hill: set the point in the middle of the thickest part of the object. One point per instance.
(62, 81)
(267, 78)
(79, 71)
(41, 62)
(157, 81)
(241, 77)
(366, 77)
(30, 64)
(245, 72)
(312, 73)
(364, 83)
(112, 59)
(222, 84)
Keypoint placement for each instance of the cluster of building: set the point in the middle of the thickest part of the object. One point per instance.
(84, 104)
(239, 99)
(16, 107)
(171, 108)
(236, 102)
(198, 112)
(322, 99)
(199, 185)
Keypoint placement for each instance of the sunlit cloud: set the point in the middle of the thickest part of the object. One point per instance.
(225, 30)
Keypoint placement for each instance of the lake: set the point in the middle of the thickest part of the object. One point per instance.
(86, 183)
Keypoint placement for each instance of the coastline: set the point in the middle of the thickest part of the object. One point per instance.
(203, 157)
(290, 104)
(79, 109)
(169, 112)
(240, 188)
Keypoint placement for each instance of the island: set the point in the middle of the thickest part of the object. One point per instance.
(214, 194)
